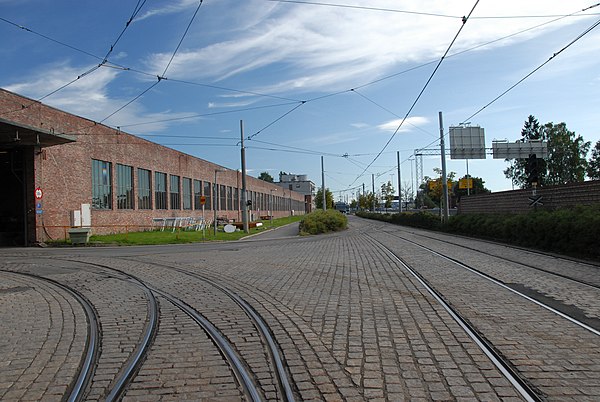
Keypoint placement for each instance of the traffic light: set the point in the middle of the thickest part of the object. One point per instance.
(532, 169)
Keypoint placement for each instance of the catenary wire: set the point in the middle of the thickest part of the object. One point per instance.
(464, 21)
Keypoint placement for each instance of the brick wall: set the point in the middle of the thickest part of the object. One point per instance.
(64, 172)
(517, 201)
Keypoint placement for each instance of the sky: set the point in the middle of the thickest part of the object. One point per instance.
(352, 81)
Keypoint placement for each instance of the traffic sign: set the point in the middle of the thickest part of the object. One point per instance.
(202, 200)
(38, 193)
(535, 200)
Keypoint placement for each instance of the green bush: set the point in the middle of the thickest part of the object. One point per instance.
(424, 220)
(323, 221)
(572, 231)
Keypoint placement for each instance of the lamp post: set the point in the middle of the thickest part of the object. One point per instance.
(216, 199)
(271, 207)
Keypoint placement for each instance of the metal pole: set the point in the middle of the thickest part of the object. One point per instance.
(244, 206)
(215, 201)
(399, 183)
(323, 185)
(468, 177)
(446, 211)
(373, 184)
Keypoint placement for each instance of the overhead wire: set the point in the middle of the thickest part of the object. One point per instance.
(159, 77)
(393, 10)
(464, 21)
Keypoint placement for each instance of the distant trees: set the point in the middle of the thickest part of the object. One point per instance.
(593, 168)
(328, 199)
(265, 176)
(387, 193)
(565, 163)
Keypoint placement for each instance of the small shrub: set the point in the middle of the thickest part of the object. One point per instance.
(323, 221)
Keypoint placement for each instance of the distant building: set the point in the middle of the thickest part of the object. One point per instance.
(300, 184)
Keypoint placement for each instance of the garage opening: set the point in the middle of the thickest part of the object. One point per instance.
(13, 206)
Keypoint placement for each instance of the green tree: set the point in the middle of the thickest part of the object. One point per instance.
(387, 193)
(593, 169)
(435, 194)
(366, 201)
(566, 155)
(565, 163)
(532, 130)
(265, 176)
(328, 199)
(478, 187)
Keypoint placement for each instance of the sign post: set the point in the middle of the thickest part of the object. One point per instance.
(202, 202)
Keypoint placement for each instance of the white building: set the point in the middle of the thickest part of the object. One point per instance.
(300, 184)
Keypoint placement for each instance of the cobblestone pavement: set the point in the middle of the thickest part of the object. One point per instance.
(351, 323)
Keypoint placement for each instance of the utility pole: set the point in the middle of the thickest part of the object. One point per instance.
(399, 182)
(323, 185)
(445, 210)
(244, 206)
(373, 184)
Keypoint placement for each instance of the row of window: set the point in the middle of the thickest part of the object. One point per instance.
(172, 192)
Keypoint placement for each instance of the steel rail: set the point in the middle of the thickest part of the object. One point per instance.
(238, 367)
(236, 364)
(273, 349)
(524, 389)
(139, 354)
(563, 276)
(86, 368)
(503, 285)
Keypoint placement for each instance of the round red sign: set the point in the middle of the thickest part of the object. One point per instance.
(38, 193)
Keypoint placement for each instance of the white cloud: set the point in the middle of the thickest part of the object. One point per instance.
(88, 96)
(331, 48)
(409, 124)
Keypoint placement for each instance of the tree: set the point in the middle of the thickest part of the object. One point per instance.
(366, 201)
(265, 176)
(566, 155)
(478, 187)
(328, 199)
(387, 193)
(565, 163)
(435, 194)
(532, 130)
(593, 169)
(407, 193)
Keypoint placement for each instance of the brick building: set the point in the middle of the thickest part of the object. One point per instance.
(56, 167)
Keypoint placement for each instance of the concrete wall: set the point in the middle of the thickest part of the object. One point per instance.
(517, 201)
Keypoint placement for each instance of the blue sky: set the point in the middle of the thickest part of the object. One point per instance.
(310, 79)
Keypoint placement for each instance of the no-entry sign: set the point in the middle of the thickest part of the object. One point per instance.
(38, 193)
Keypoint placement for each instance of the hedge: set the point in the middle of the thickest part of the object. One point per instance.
(321, 221)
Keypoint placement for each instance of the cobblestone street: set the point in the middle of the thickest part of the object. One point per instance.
(349, 321)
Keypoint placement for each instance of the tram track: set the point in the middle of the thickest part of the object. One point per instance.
(570, 277)
(239, 367)
(80, 384)
(506, 286)
(521, 385)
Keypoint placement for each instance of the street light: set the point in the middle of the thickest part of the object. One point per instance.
(215, 199)
(271, 206)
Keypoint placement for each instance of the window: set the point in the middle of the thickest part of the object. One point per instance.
(186, 191)
(208, 194)
(160, 193)
(222, 197)
(229, 198)
(174, 192)
(197, 194)
(101, 185)
(236, 198)
(124, 187)
(144, 189)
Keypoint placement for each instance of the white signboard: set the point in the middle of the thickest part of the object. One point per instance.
(467, 143)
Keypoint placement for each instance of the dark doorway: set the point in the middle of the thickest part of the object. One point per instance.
(13, 209)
